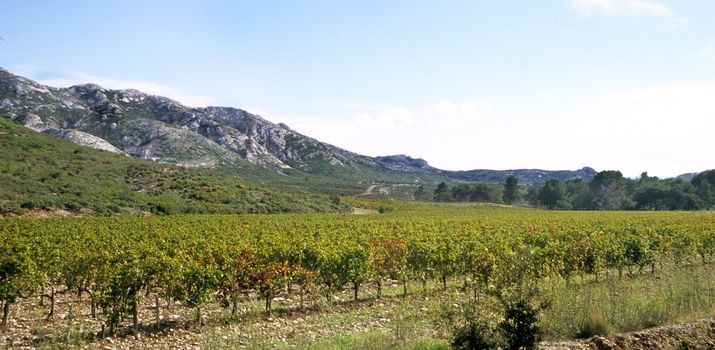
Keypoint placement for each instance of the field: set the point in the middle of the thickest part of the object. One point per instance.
(403, 278)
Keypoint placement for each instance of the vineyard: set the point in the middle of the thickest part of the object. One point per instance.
(113, 263)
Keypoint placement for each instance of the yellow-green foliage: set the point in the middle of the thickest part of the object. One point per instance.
(191, 257)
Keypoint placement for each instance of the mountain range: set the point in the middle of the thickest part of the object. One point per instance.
(156, 128)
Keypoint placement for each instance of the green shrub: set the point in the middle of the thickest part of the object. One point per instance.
(72, 205)
(475, 335)
(10, 207)
(519, 326)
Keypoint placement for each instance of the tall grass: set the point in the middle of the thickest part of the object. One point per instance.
(377, 341)
(583, 309)
(615, 305)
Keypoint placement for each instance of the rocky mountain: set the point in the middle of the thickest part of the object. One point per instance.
(687, 176)
(59, 177)
(157, 128)
(529, 176)
(405, 162)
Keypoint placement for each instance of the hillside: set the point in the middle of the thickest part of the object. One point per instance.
(160, 129)
(42, 172)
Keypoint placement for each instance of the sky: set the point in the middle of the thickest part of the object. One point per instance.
(552, 84)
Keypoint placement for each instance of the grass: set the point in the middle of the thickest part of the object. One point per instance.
(377, 341)
(671, 295)
(362, 341)
(403, 328)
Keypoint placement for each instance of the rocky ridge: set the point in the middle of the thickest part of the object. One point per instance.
(160, 129)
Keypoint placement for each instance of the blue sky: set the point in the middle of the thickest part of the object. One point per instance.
(556, 84)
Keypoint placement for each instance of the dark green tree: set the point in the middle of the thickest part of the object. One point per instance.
(645, 178)
(664, 195)
(461, 192)
(553, 195)
(578, 194)
(519, 326)
(611, 191)
(532, 195)
(704, 184)
(420, 192)
(485, 194)
(442, 193)
(511, 190)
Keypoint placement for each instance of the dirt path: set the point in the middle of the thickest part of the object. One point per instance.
(364, 211)
(368, 190)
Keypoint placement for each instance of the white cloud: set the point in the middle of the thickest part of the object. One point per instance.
(666, 130)
(650, 8)
(152, 88)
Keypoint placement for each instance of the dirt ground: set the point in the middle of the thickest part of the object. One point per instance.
(696, 335)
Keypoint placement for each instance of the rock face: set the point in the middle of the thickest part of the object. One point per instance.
(157, 128)
(160, 129)
(404, 161)
(83, 139)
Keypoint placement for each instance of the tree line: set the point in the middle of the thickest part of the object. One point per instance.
(479, 192)
(608, 190)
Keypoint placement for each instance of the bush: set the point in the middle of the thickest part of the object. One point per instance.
(596, 324)
(475, 335)
(9, 207)
(482, 329)
(519, 327)
(40, 202)
(72, 205)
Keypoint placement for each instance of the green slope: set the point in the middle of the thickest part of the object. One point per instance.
(329, 180)
(42, 172)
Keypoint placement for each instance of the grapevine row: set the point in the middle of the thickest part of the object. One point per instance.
(192, 259)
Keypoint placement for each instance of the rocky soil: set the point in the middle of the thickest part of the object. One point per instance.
(72, 324)
(696, 335)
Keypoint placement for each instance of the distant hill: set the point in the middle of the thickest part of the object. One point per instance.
(686, 177)
(529, 176)
(38, 171)
(157, 128)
